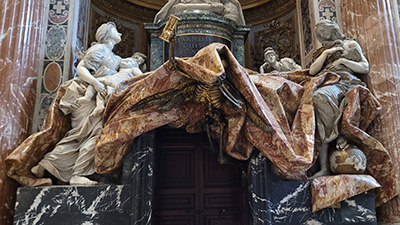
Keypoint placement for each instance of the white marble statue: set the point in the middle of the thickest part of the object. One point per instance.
(345, 58)
(272, 63)
(230, 9)
(84, 100)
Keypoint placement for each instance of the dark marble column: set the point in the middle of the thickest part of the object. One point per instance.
(138, 175)
(21, 35)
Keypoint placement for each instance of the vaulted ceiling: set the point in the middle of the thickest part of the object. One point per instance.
(141, 11)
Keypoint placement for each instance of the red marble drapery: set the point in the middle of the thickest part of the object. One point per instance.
(21, 33)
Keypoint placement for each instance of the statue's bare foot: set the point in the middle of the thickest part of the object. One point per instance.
(79, 180)
(83, 99)
(38, 171)
(319, 174)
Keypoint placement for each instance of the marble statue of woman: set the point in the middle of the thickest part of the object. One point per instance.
(230, 9)
(272, 63)
(345, 58)
(72, 159)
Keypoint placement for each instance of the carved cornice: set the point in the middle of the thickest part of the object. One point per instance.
(269, 11)
(247, 4)
(152, 4)
(158, 4)
(126, 11)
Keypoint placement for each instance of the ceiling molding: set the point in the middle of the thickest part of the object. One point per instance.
(126, 10)
(158, 4)
(269, 11)
(252, 3)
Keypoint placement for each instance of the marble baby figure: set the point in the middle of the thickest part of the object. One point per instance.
(128, 68)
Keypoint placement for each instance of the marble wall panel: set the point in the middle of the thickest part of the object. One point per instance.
(21, 34)
(375, 26)
(65, 36)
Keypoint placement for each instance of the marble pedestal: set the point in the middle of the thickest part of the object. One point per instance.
(272, 201)
(195, 30)
(277, 202)
(108, 204)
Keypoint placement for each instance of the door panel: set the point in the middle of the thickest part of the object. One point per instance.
(177, 168)
(192, 187)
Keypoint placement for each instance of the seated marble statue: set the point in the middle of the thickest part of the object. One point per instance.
(230, 9)
(271, 62)
(344, 57)
(72, 159)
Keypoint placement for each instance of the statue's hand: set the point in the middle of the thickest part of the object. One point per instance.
(333, 50)
(336, 64)
(101, 89)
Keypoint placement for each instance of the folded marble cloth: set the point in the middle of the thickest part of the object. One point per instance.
(275, 115)
(284, 105)
(327, 191)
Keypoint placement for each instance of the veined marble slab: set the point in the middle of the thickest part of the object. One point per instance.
(88, 205)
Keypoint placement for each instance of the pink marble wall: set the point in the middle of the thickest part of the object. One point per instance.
(21, 33)
(374, 25)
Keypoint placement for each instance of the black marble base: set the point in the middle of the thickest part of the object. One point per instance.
(72, 205)
(274, 201)
(108, 203)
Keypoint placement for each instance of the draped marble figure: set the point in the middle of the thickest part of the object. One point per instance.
(72, 159)
(344, 57)
(272, 113)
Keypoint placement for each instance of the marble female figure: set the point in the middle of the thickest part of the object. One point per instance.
(344, 57)
(73, 157)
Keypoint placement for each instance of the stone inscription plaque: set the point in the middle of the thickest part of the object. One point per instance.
(188, 45)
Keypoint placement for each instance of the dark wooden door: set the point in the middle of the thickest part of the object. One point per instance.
(191, 187)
